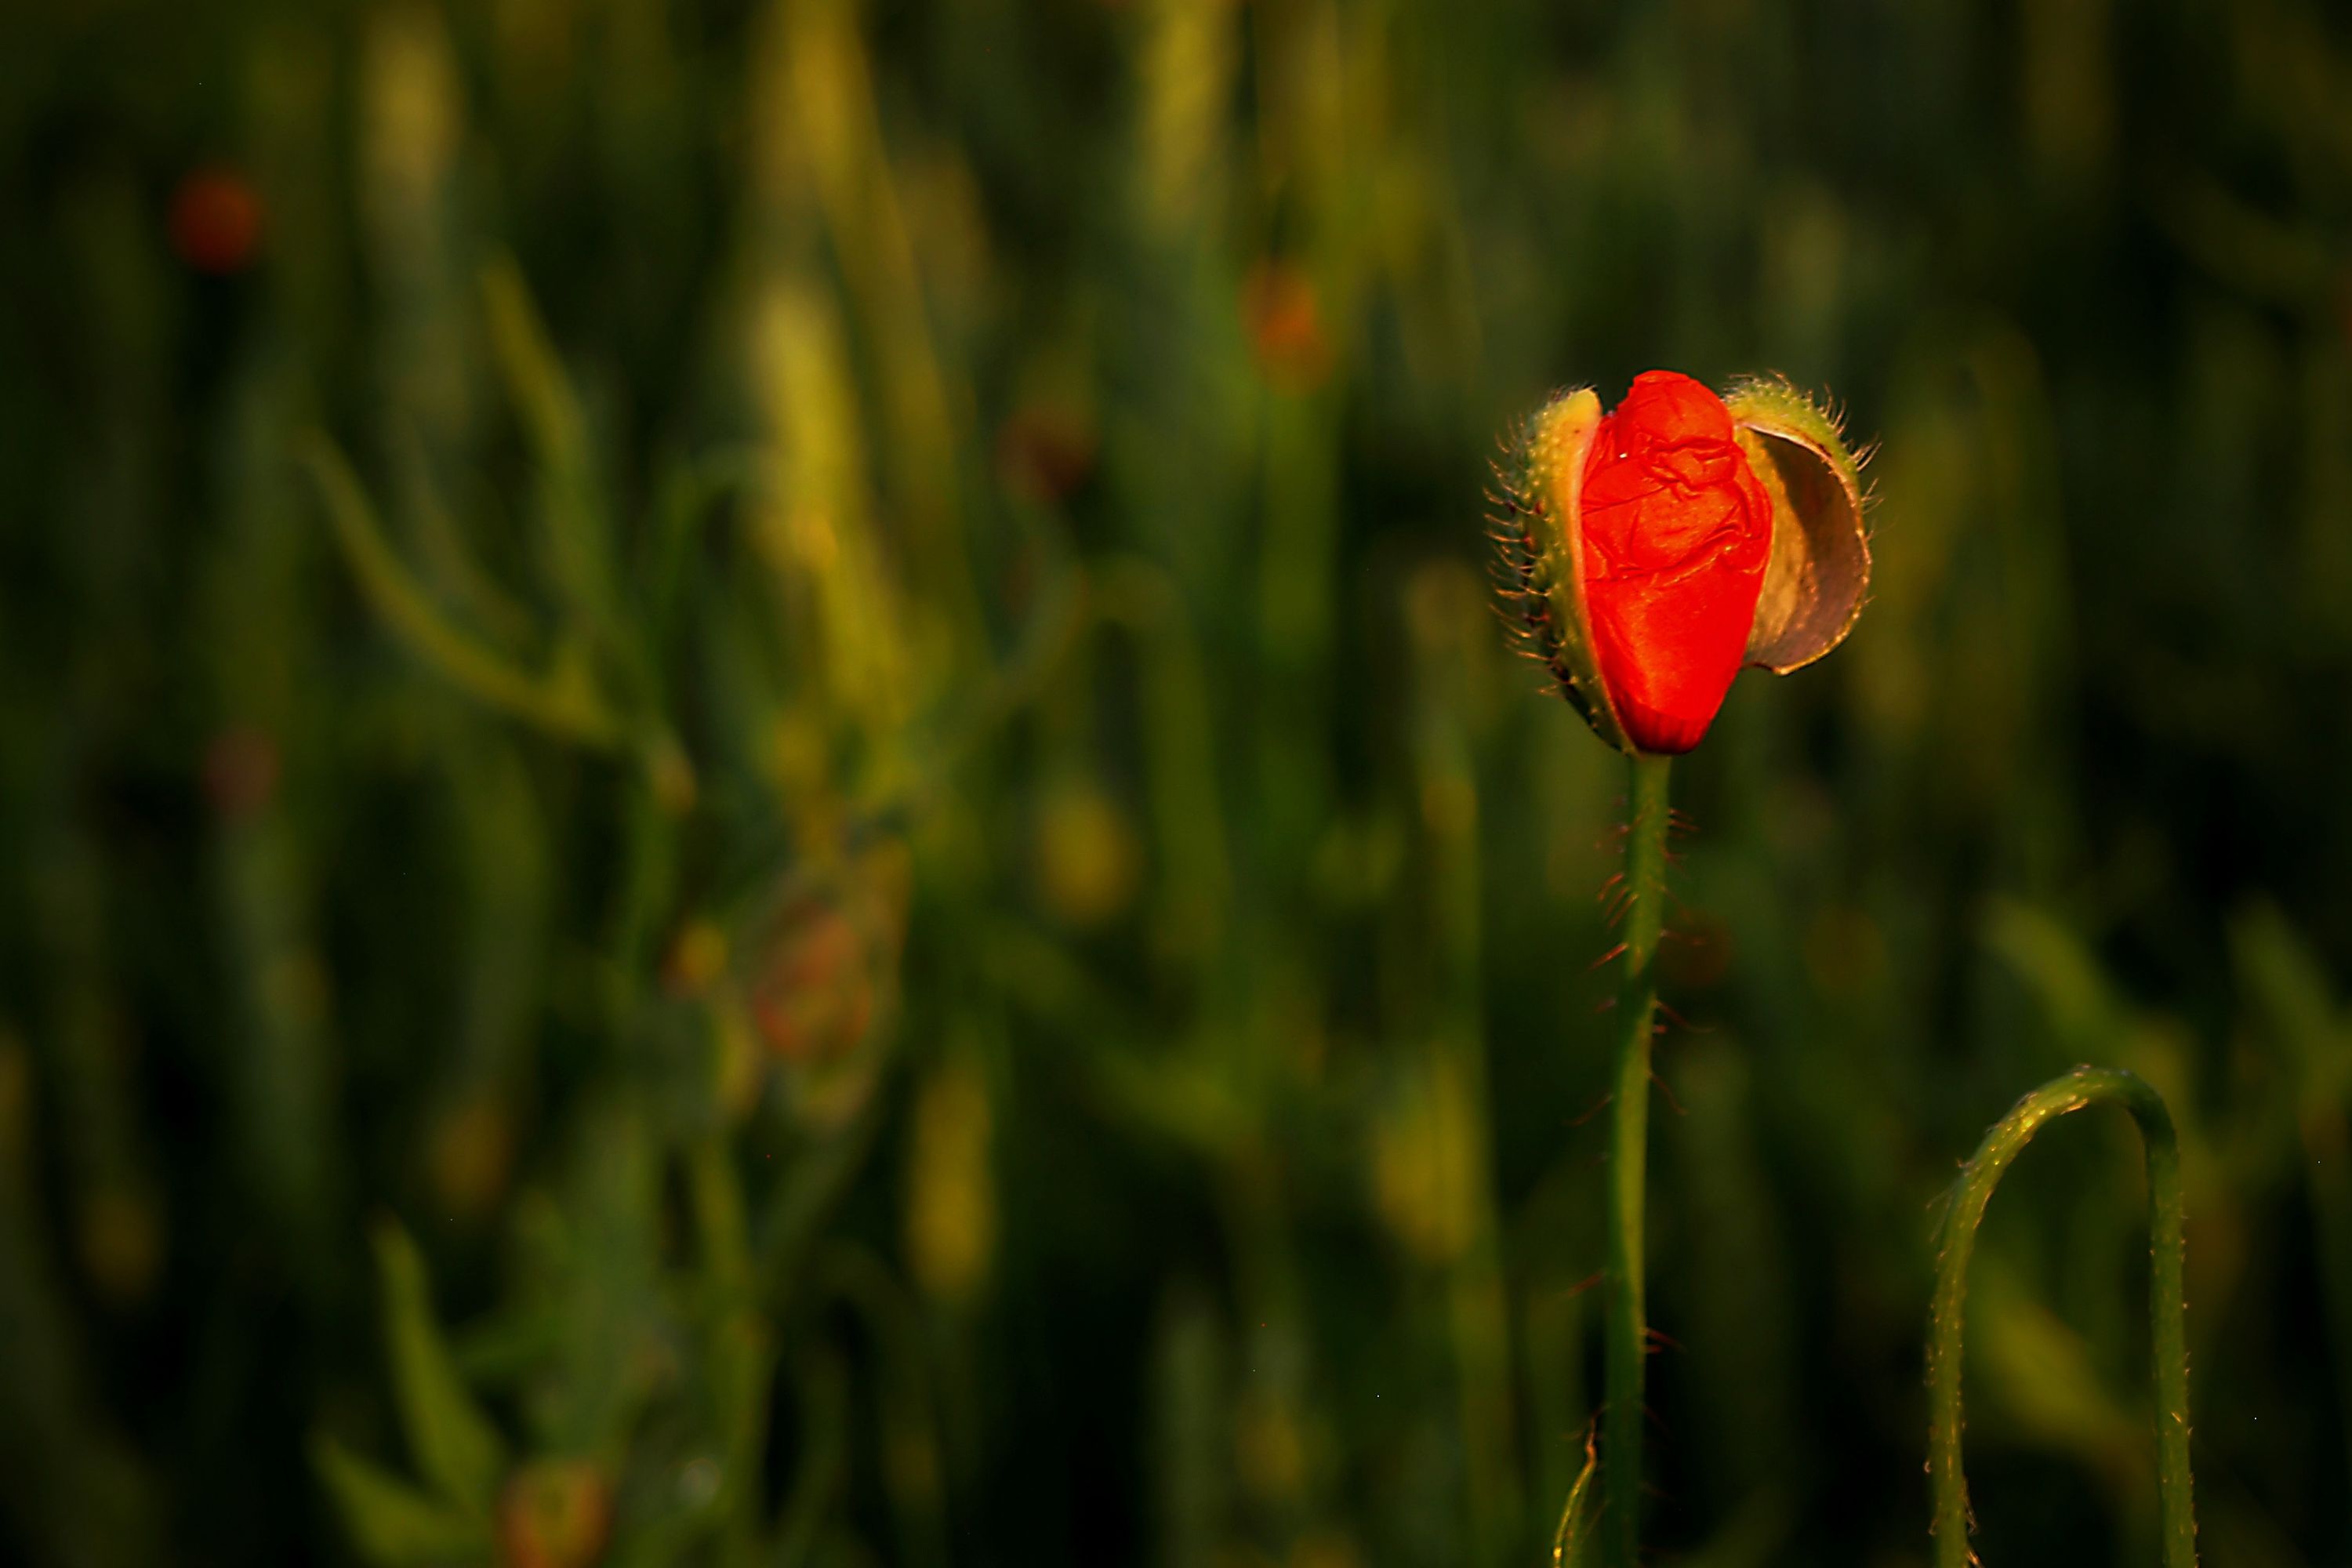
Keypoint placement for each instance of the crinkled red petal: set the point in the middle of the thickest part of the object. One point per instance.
(1677, 531)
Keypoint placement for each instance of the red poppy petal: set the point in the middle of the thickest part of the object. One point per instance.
(1677, 531)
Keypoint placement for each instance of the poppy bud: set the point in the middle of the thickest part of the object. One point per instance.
(1650, 553)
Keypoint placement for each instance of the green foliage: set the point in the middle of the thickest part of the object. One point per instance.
(451, 1441)
(807, 685)
(391, 1522)
(564, 701)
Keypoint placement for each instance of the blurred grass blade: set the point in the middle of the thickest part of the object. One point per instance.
(906, 1413)
(450, 1438)
(579, 545)
(391, 1522)
(1182, 745)
(817, 1482)
(1191, 1445)
(564, 702)
(2043, 1376)
(448, 562)
(2290, 986)
(528, 361)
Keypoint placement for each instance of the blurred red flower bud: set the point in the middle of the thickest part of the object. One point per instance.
(1285, 318)
(1044, 453)
(814, 997)
(554, 1513)
(827, 964)
(241, 771)
(1651, 552)
(215, 220)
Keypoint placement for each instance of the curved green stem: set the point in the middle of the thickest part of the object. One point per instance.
(1629, 1133)
(2167, 1310)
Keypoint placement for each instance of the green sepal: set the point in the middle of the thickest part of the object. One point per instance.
(1818, 573)
(1542, 566)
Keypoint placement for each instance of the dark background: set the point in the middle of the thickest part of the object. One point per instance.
(760, 805)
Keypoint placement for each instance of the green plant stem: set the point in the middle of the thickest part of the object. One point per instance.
(2167, 1311)
(1629, 1134)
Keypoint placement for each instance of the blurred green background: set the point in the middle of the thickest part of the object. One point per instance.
(760, 807)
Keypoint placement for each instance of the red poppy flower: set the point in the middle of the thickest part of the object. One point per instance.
(1652, 553)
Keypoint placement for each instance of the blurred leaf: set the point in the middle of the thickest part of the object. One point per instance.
(1191, 1451)
(2052, 961)
(534, 379)
(450, 1438)
(564, 702)
(2040, 1374)
(2294, 992)
(615, 1345)
(1755, 1536)
(950, 1219)
(817, 1482)
(579, 545)
(2287, 980)
(390, 1521)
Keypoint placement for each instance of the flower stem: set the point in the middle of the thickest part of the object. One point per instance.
(2167, 1312)
(1629, 1133)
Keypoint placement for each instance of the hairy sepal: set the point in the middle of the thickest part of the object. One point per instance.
(1818, 573)
(1543, 564)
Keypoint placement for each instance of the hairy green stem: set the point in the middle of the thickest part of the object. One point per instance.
(2167, 1311)
(1629, 1134)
